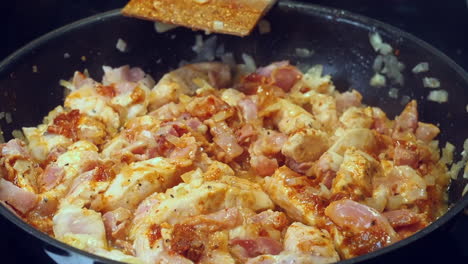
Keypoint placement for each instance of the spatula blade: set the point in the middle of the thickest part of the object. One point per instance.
(235, 17)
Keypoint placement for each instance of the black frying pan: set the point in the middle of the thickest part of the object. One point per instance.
(340, 42)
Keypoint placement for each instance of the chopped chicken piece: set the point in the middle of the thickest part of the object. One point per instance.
(306, 145)
(356, 173)
(296, 195)
(138, 180)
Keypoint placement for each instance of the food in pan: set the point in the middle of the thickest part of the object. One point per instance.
(207, 166)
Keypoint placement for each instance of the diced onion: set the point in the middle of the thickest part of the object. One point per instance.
(304, 53)
(430, 82)
(455, 169)
(18, 134)
(465, 146)
(393, 68)
(249, 62)
(378, 80)
(393, 93)
(67, 85)
(8, 118)
(379, 45)
(163, 27)
(439, 96)
(121, 45)
(375, 41)
(447, 153)
(386, 63)
(205, 49)
(465, 172)
(385, 49)
(421, 67)
(378, 63)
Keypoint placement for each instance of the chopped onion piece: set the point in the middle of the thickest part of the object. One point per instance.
(315, 71)
(378, 80)
(163, 27)
(455, 169)
(18, 134)
(465, 145)
(430, 82)
(249, 62)
(393, 93)
(121, 45)
(379, 45)
(439, 96)
(465, 172)
(375, 41)
(421, 67)
(385, 49)
(8, 118)
(304, 53)
(386, 63)
(206, 49)
(378, 63)
(447, 153)
(67, 85)
(393, 69)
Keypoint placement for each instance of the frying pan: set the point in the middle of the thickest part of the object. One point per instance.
(338, 38)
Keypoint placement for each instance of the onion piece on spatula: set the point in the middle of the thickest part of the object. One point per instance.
(235, 17)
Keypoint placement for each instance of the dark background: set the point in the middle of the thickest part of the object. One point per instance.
(443, 24)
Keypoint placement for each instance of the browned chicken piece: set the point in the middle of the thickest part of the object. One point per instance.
(235, 17)
(297, 195)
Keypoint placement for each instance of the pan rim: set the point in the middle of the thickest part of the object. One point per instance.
(316, 10)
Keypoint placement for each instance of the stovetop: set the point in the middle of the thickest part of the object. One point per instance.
(443, 24)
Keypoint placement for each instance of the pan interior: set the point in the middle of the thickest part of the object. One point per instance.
(339, 42)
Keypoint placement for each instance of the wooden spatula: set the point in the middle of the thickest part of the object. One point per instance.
(235, 17)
